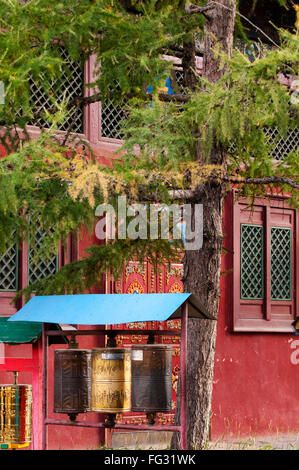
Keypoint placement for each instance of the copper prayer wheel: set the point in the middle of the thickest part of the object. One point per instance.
(15, 414)
(151, 378)
(72, 381)
(111, 380)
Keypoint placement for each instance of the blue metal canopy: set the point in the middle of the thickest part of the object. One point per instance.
(108, 309)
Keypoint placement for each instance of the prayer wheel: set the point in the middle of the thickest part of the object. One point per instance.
(111, 380)
(151, 378)
(72, 381)
(15, 414)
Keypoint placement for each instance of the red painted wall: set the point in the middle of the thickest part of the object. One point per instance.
(256, 375)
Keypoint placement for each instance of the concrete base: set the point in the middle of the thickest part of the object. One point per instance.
(141, 440)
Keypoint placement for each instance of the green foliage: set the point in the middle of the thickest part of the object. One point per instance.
(32, 190)
(246, 100)
(162, 134)
(79, 276)
(40, 181)
(235, 113)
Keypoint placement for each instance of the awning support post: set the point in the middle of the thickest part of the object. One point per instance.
(37, 393)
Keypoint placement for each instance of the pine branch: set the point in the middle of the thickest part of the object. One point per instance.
(266, 180)
(188, 194)
(86, 100)
(155, 186)
(81, 275)
(178, 97)
(191, 9)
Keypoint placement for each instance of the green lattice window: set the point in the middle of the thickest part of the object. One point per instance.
(252, 262)
(9, 268)
(281, 263)
(265, 275)
(41, 268)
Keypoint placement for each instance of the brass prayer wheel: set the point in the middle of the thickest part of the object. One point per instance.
(72, 381)
(111, 380)
(15, 414)
(151, 378)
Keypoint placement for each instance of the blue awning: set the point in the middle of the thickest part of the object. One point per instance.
(108, 309)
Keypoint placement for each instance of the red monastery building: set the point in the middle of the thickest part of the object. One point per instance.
(257, 354)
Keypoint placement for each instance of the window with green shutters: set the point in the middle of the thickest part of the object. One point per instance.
(265, 266)
(281, 263)
(252, 261)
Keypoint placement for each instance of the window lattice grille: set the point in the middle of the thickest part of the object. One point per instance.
(112, 116)
(282, 146)
(41, 268)
(281, 262)
(70, 84)
(179, 78)
(112, 113)
(252, 262)
(9, 268)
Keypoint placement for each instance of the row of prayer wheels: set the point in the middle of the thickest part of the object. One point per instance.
(113, 380)
(107, 380)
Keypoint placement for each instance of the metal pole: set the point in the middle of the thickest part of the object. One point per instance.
(137, 427)
(37, 395)
(116, 332)
(183, 375)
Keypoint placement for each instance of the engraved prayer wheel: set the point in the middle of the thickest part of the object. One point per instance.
(15, 414)
(72, 381)
(151, 378)
(111, 380)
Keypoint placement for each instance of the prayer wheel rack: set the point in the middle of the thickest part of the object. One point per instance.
(105, 310)
(181, 428)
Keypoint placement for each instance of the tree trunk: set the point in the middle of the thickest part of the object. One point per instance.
(202, 267)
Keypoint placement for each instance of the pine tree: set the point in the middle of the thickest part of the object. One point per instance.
(192, 145)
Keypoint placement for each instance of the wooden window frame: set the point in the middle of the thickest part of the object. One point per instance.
(90, 115)
(7, 307)
(266, 315)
